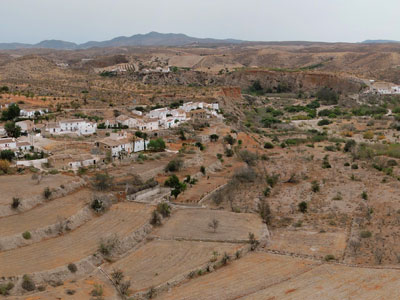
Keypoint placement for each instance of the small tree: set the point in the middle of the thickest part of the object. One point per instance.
(203, 170)
(315, 186)
(15, 203)
(155, 219)
(164, 209)
(214, 137)
(303, 207)
(265, 211)
(157, 145)
(253, 241)
(28, 284)
(4, 166)
(103, 182)
(229, 139)
(7, 155)
(47, 193)
(72, 268)
(12, 130)
(214, 225)
(117, 276)
(174, 165)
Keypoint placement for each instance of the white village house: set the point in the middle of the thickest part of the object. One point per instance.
(120, 144)
(15, 144)
(30, 113)
(77, 126)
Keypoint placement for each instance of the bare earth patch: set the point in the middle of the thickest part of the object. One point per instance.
(192, 224)
(160, 261)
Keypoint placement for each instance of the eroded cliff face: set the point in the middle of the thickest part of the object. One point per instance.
(270, 80)
(295, 81)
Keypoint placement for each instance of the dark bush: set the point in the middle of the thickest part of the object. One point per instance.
(164, 209)
(72, 268)
(174, 165)
(324, 122)
(28, 284)
(268, 145)
(103, 181)
(248, 157)
(15, 203)
(303, 207)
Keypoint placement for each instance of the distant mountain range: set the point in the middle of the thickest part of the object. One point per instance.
(149, 39)
(379, 42)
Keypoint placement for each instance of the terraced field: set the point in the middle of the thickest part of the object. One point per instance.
(306, 242)
(23, 186)
(193, 224)
(45, 214)
(160, 261)
(241, 278)
(81, 288)
(336, 283)
(122, 219)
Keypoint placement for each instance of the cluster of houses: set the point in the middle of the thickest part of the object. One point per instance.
(166, 118)
(383, 88)
(71, 126)
(115, 145)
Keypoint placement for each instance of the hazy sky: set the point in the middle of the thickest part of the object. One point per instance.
(79, 21)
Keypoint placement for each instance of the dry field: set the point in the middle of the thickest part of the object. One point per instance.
(23, 187)
(336, 283)
(308, 242)
(81, 290)
(45, 214)
(261, 276)
(192, 224)
(240, 278)
(160, 261)
(121, 220)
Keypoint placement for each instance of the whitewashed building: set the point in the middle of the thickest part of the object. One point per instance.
(30, 113)
(77, 126)
(127, 121)
(8, 144)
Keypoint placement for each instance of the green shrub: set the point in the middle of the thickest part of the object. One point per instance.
(354, 166)
(329, 257)
(272, 180)
(103, 181)
(303, 206)
(268, 145)
(26, 235)
(15, 203)
(174, 165)
(365, 234)
(164, 209)
(324, 122)
(72, 268)
(315, 186)
(6, 288)
(28, 284)
(248, 157)
(203, 170)
(364, 195)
